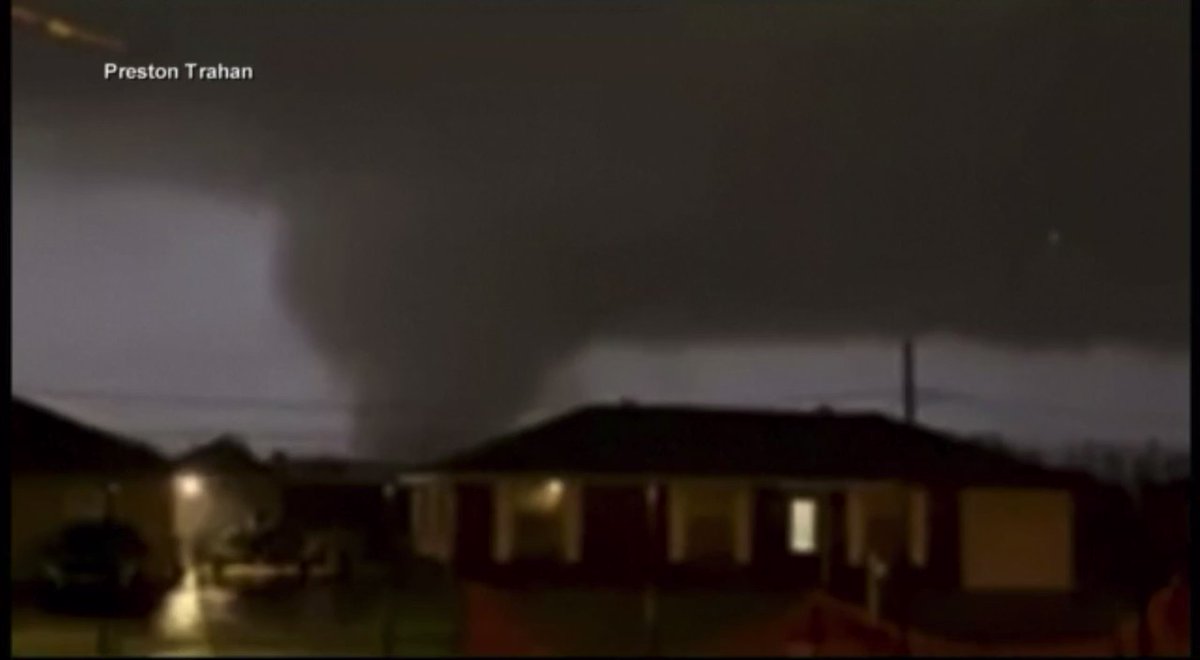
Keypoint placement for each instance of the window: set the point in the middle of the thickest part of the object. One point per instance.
(802, 526)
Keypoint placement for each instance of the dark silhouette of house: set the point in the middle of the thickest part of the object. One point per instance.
(857, 503)
(221, 486)
(1165, 509)
(64, 471)
(339, 505)
(354, 506)
(227, 454)
(49, 442)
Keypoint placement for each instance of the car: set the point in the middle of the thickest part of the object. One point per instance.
(94, 562)
(260, 552)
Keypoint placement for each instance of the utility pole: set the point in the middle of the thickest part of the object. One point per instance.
(908, 371)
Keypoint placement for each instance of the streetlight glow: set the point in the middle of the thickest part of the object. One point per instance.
(189, 485)
(57, 28)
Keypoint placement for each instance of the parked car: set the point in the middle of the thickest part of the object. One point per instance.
(95, 563)
(261, 552)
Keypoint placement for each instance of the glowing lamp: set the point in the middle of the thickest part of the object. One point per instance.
(189, 485)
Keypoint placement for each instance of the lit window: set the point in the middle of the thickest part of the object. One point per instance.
(802, 529)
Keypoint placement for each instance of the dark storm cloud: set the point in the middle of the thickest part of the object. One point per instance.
(475, 191)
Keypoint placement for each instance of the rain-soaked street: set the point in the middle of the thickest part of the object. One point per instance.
(197, 619)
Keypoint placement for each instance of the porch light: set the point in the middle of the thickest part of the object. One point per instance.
(189, 485)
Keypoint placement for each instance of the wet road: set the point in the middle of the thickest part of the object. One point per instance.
(197, 619)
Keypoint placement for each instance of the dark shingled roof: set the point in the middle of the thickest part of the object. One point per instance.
(45, 441)
(227, 453)
(629, 439)
(331, 470)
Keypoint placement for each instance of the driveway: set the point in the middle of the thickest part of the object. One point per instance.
(195, 619)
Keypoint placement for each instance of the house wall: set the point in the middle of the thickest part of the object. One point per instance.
(1017, 539)
(772, 531)
(474, 532)
(616, 538)
(45, 504)
(355, 518)
(1164, 513)
(771, 551)
(433, 519)
(885, 520)
(537, 520)
(620, 540)
(598, 528)
(943, 570)
(710, 521)
(349, 506)
(940, 538)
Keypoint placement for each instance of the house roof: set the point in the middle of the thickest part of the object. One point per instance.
(625, 439)
(226, 453)
(45, 441)
(336, 471)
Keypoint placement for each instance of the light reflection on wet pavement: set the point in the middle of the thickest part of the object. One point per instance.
(198, 619)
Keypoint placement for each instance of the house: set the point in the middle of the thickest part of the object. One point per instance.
(339, 505)
(63, 471)
(1165, 511)
(219, 486)
(352, 505)
(856, 504)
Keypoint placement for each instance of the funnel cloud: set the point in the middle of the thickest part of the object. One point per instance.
(470, 194)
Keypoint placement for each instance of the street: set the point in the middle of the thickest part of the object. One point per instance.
(203, 620)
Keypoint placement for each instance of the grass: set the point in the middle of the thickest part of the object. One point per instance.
(205, 622)
(426, 622)
(613, 623)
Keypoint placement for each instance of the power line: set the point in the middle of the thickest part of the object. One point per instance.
(962, 397)
(187, 399)
(890, 394)
(810, 397)
(401, 407)
(950, 396)
(234, 401)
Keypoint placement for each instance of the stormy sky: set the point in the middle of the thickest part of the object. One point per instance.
(422, 222)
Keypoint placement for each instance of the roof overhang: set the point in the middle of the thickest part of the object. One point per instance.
(646, 478)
